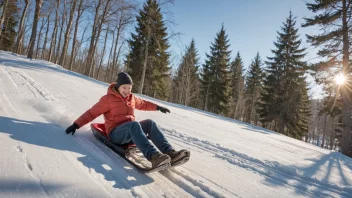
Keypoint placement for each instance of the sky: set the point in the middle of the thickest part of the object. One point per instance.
(251, 25)
(229, 158)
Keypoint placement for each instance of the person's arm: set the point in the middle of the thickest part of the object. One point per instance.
(144, 105)
(99, 108)
(148, 106)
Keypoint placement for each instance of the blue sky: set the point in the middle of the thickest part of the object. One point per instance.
(251, 25)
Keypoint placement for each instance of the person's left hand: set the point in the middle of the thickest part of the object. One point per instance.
(162, 109)
(72, 129)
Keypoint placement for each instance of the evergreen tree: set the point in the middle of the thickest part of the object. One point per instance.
(304, 113)
(333, 18)
(8, 31)
(253, 87)
(187, 78)
(216, 80)
(282, 94)
(236, 84)
(148, 59)
(205, 84)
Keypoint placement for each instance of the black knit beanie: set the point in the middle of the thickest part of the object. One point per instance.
(122, 79)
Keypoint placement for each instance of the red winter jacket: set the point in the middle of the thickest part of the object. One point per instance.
(116, 109)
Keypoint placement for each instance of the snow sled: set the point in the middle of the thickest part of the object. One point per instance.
(127, 151)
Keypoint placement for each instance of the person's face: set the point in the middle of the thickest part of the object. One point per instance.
(125, 90)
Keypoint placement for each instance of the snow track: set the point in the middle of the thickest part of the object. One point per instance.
(38, 100)
(290, 176)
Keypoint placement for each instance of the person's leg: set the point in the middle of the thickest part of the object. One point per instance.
(156, 136)
(133, 131)
(121, 134)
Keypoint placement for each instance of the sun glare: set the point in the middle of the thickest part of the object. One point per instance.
(340, 79)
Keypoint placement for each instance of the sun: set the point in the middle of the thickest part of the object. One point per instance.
(340, 79)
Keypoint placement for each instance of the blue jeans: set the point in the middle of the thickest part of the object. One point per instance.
(138, 132)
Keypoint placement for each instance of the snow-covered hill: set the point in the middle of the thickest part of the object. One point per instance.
(38, 100)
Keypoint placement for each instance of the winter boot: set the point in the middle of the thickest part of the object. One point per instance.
(178, 155)
(159, 159)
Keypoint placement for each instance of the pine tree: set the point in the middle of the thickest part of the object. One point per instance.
(8, 32)
(333, 17)
(187, 77)
(205, 84)
(304, 112)
(236, 84)
(216, 80)
(148, 59)
(281, 97)
(253, 87)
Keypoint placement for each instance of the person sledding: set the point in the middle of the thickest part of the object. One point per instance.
(118, 107)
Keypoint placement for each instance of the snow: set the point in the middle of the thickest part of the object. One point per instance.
(39, 100)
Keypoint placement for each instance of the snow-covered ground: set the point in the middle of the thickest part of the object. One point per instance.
(39, 100)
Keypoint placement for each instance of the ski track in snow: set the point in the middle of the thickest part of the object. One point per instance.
(290, 176)
(30, 83)
(193, 186)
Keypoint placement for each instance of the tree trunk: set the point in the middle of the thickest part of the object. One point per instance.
(145, 61)
(78, 67)
(90, 54)
(3, 15)
(39, 37)
(73, 52)
(346, 110)
(206, 99)
(108, 68)
(67, 33)
(38, 5)
(60, 36)
(54, 35)
(324, 133)
(115, 56)
(332, 134)
(46, 35)
(102, 56)
(21, 29)
(114, 72)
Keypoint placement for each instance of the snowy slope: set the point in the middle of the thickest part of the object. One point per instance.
(38, 100)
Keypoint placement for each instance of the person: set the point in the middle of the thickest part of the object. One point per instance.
(118, 107)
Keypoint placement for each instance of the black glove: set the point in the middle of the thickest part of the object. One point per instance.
(72, 129)
(162, 109)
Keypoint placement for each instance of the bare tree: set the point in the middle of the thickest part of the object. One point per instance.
(47, 30)
(2, 18)
(54, 35)
(98, 19)
(109, 63)
(81, 8)
(39, 36)
(38, 5)
(63, 19)
(68, 32)
(21, 28)
(125, 17)
(103, 53)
